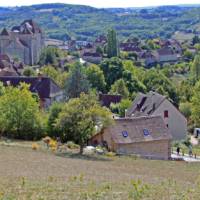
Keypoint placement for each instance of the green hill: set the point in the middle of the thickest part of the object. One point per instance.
(83, 22)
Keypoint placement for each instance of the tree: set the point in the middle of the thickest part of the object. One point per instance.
(196, 67)
(196, 104)
(96, 77)
(55, 74)
(156, 80)
(54, 112)
(195, 40)
(132, 83)
(77, 82)
(99, 49)
(119, 87)
(185, 108)
(2, 89)
(80, 116)
(112, 69)
(188, 54)
(120, 108)
(112, 47)
(29, 72)
(20, 117)
(48, 56)
(185, 90)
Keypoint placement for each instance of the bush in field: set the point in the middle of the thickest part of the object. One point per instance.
(72, 145)
(35, 146)
(20, 117)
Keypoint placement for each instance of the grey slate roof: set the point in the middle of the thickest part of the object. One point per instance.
(45, 87)
(136, 129)
(145, 104)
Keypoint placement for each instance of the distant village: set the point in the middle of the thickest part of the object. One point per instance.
(149, 125)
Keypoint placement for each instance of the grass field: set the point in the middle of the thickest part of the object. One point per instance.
(40, 175)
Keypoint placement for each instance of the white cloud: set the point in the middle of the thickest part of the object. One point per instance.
(102, 3)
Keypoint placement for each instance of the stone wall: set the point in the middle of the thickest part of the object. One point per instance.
(152, 149)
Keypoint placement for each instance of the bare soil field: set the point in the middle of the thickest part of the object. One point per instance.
(40, 175)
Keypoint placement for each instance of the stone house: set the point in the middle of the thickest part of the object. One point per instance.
(153, 103)
(46, 89)
(144, 136)
(149, 58)
(173, 44)
(167, 54)
(23, 42)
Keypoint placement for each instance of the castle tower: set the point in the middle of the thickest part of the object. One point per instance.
(24, 42)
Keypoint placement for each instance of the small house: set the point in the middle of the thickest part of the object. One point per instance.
(167, 54)
(144, 136)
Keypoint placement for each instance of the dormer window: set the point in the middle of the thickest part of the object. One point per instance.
(125, 134)
(146, 132)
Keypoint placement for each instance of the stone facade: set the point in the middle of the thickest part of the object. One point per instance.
(23, 42)
(144, 136)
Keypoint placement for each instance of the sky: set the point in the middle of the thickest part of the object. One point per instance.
(101, 3)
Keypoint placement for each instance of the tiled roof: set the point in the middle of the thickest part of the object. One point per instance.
(8, 72)
(145, 104)
(91, 54)
(165, 51)
(5, 32)
(140, 129)
(30, 26)
(44, 86)
(5, 57)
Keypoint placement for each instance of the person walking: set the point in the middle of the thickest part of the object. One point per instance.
(178, 151)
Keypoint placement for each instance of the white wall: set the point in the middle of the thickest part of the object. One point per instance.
(177, 123)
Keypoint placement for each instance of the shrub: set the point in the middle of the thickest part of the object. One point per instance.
(110, 154)
(20, 116)
(53, 145)
(72, 145)
(35, 146)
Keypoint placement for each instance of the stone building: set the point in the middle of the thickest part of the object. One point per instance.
(23, 42)
(144, 136)
(153, 103)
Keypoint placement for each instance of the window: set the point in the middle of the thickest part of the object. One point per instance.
(166, 114)
(146, 132)
(125, 134)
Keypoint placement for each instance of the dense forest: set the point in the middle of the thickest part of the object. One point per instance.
(62, 21)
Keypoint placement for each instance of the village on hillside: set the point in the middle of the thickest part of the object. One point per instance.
(149, 124)
(98, 101)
